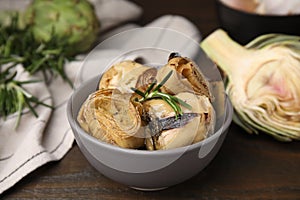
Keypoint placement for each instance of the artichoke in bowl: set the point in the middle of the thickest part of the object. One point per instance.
(72, 20)
(262, 81)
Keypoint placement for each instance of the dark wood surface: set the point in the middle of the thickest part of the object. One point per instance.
(247, 166)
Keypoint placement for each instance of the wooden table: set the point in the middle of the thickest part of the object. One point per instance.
(247, 166)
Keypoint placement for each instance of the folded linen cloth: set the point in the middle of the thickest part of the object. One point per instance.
(49, 137)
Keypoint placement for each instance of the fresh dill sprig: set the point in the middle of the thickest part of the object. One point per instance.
(155, 93)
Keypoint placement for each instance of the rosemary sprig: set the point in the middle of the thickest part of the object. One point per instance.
(151, 93)
(18, 46)
(14, 97)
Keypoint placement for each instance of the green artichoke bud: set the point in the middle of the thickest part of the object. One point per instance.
(71, 20)
(262, 81)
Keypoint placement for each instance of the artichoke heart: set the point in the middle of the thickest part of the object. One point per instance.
(109, 116)
(127, 74)
(137, 106)
(188, 77)
(263, 81)
(192, 132)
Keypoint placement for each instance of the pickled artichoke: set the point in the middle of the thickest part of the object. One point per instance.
(127, 74)
(262, 81)
(109, 116)
(137, 106)
(188, 77)
(196, 130)
(74, 21)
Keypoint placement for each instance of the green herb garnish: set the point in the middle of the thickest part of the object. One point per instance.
(13, 96)
(151, 93)
(18, 46)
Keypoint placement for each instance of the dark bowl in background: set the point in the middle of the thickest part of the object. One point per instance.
(244, 26)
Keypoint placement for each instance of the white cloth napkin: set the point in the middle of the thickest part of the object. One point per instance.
(49, 137)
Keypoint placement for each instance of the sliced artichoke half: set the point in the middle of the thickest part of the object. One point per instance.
(109, 116)
(263, 81)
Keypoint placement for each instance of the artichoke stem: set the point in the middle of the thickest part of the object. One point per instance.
(225, 52)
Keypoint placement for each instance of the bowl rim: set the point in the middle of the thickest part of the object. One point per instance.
(75, 126)
(257, 15)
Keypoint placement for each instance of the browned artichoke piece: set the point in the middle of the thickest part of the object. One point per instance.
(190, 71)
(127, 74)
(196, 130)
(109, 116)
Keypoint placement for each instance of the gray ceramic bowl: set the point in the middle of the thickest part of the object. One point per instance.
(142, 169)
